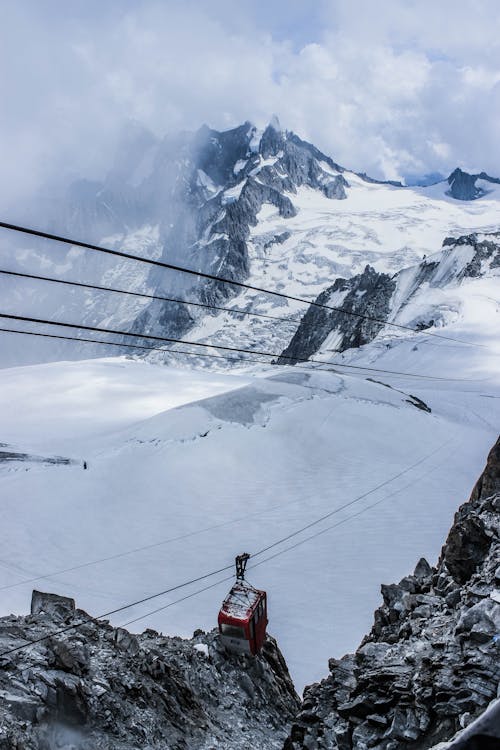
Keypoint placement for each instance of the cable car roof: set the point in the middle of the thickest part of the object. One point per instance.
(241, 601)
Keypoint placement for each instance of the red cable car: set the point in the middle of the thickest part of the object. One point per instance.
(243, 615)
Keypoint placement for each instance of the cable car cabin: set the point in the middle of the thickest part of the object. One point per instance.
(243, 619)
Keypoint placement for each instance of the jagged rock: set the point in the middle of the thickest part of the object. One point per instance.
(71, 656)
(375, 295)
(95, 687)
(481, 734)
(125, 641)
(431, 663)
(483, 618)
(368, 294)
(422, 570)
(51, 604)
(488, 483)
(336, 188)
(405, 725)
(463, 185)
(466, 547)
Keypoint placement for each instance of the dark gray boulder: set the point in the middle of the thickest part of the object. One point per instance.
(51, 604)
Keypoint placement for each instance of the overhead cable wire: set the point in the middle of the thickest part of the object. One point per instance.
(153, 545)
(346, 505)
(345, 520)
(295, 545)
(178, 601)
(219, 570)
(73, 626)
(333, 365)
(144, 548)
(237, 360)
(220, 279)
(84, 285)
(140, 335)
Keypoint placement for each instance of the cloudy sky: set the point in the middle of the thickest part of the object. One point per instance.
(393, 87)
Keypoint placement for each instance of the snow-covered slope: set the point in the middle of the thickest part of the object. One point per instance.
(188, 468)
(185, 471)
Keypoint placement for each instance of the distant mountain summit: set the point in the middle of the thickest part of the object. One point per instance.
(469, 187)
(150, 178)
(204, 192)
(245, 204)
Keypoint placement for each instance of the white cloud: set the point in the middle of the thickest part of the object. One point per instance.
(389, 87)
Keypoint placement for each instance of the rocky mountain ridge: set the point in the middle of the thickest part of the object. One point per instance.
(226, 180)
(98, 687)
(402, 298)
(468, 187)
(431, 663)
(203, 191)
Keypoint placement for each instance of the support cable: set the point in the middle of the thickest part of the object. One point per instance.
(84, 285)
(274, 355)
(124, 607)
(346, 505)
(220, 279)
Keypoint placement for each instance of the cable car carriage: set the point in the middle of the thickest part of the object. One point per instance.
(243, 615)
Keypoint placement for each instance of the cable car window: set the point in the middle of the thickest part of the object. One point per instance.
(232, 630)
(252, 628)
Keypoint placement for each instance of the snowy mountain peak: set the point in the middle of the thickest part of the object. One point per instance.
(246, 204)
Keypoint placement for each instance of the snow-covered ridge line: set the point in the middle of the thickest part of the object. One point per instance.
(418, 297)
(263, 206)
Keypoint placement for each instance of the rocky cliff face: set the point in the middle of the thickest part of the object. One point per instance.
(431, 662)
(204, 191)
(389, 298)
(368, 294)
(469, 187)
(100, 687)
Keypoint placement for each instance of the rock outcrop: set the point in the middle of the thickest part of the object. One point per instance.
(431, 663)
(97, 687)
(365, 302)
(367, 294)
(463, 186)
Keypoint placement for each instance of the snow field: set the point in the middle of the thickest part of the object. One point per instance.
(198, 467)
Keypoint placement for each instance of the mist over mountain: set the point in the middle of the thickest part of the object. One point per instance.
(258, 206)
